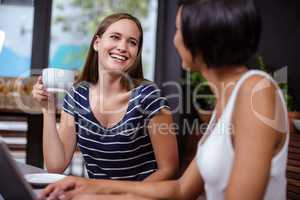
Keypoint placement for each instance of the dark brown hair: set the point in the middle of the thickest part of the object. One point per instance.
(90, 71)
(225, 32)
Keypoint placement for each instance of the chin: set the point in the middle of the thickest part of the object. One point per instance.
(115, 67)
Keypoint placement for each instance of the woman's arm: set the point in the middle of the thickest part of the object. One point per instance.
(164, 143)
(58, 145)
(188, 187)
(254, 139)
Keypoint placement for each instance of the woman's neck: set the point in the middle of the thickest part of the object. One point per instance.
(222, 81)
(109, 83)
(219, 78)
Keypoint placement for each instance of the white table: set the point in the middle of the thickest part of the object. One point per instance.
(29, 169)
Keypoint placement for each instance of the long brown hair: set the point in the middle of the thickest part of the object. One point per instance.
(90, 71)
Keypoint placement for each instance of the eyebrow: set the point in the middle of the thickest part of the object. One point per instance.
(132, 38)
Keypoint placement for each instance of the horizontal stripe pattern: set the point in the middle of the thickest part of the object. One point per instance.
(124, 151)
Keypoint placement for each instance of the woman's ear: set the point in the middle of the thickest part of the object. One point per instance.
(96, 43)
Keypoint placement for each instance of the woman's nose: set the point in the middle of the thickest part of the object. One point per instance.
(122, 45)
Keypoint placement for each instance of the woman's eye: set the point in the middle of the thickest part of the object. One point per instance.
(114, 37)
(133, 43)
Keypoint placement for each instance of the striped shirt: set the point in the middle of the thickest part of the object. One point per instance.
(124, 151)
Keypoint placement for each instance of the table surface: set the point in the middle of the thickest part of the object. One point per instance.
(29, 169)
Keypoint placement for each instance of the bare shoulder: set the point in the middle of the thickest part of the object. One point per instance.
(259, 111)
(257, 94)
(257, 83)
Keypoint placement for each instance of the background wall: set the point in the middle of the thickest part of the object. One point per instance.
(280, 42)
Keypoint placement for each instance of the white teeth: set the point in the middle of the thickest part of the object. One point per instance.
(119, 57)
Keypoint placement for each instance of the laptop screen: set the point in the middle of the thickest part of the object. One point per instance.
(12, 184)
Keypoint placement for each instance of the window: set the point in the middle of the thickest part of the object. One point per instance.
(16, 2)
(75, 21)
(16, 25)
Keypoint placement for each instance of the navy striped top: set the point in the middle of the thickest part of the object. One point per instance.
(124, 151)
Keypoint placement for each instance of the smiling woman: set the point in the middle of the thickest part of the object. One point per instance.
(120, 45)
(113, 40)
(74, 22)
(112, 113)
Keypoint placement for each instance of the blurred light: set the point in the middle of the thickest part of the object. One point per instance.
(2, 38)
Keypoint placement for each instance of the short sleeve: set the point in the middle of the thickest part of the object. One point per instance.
(152, 101)
(69, 103)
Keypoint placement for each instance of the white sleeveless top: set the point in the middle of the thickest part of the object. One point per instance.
(216, 155)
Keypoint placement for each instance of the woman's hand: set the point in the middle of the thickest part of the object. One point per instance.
(44, 98)
(110, 197)
(68, 187)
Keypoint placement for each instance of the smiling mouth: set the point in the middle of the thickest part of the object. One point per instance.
(118, 57)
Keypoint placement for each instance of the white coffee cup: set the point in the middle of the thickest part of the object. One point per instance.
(58, 80)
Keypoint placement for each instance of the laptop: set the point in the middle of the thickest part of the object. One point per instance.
(12, 184)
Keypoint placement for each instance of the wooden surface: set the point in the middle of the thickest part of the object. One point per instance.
(293, 167)
(34, 134)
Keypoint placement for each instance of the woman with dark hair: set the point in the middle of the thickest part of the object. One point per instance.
(243, 153)
(112, 113)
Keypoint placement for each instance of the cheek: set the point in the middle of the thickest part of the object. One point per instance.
(178, 43)
(175, 40)
(134, 52)
(186, 57)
